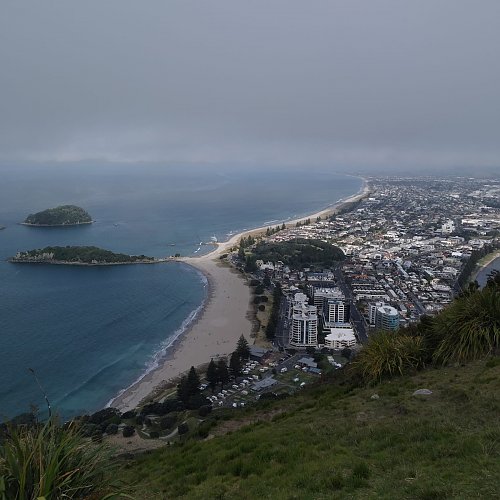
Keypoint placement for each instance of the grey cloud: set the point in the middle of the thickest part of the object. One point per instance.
(285, 82)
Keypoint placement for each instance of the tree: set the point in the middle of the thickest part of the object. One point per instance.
(242, 348)
(212, 375)
(193, 382)
(223, 372)
(183, 389)
(235, 364)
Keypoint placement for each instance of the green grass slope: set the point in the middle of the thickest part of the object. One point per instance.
(332, 441)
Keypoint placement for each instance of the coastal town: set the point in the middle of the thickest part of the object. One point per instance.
(407, 245)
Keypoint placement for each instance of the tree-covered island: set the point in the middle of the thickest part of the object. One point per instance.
(64, 215)
(84, 256)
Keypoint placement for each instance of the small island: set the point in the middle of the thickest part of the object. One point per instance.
(2, 227)
(79, 256)
(64, 215)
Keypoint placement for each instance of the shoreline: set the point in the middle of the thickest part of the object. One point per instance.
(85, 264)
(224, 315)
(488, 259)
(29, 224)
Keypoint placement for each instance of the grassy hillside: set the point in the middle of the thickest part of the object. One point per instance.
(332, 441)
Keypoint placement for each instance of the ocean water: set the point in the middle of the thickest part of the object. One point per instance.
(90, 332)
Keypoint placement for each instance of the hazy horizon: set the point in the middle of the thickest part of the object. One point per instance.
(355, 86)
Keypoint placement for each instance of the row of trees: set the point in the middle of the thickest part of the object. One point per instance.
(305, 222)
(188, 389)
(273, 318)
(270, 230)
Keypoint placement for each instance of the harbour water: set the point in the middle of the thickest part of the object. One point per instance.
(90, 332)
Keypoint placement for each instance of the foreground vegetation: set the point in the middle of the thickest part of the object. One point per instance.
(74, 254)
(50, 461)
(64, 215)
(338, 441)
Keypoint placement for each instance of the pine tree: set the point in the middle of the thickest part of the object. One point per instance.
(183, 389)
(235, 364)
(242, 348)
(222, 372)
(212, 375)
(193, 382)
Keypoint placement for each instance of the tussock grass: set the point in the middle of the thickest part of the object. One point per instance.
(51, 462)
(388, 354)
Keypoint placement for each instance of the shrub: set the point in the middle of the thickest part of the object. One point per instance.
(111, 429)
(196, 401)
(204, 410)
(128, 414)
(154, 434)
(203, 431)
(469, 327)
(168, 422)
(128, 431)
(103, 415)
(51, 461)
(88, 430)
(262, 307)
(389, 354)
(183, 429)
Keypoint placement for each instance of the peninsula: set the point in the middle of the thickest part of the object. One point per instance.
(64, 215)
(79, 256)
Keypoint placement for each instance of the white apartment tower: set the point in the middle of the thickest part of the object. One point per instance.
(304, 327)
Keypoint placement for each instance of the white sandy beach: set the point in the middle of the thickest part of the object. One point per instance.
(224, 318)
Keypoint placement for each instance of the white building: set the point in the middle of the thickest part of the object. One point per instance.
(339, 338)
(335, 311)
(321, 294)
(304, 328)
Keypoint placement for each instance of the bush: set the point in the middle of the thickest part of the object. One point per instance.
(203, 431)
(196, 401)
(128, 431)
(204, 410)
(111, 429)
(128, 414)
(183, 429)
(139, 420)
(389, 354)
(168, 422)
(88, 430)
(104, 415)
(262, 307)
(154, 434)
(469, 328)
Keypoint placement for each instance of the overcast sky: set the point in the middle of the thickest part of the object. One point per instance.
(346, 83)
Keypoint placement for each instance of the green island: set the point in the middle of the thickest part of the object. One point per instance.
(64, 215)
(87, 255)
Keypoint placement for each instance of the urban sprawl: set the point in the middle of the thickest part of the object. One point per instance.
(407, 245)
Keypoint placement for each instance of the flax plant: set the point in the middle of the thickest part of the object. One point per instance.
(388, 354)
(51, 462)
(470, 327)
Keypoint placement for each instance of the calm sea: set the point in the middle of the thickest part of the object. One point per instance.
(90, 332)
